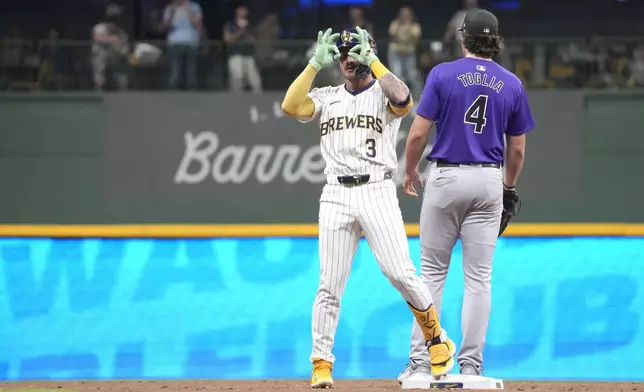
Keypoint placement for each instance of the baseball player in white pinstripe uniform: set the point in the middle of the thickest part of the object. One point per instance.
(359, 121)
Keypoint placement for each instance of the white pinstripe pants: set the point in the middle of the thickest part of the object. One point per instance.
(346, 211)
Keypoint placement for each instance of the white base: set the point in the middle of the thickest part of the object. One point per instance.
(455, 381)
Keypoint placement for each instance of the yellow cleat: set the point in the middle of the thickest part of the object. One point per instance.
(441, 357)
(322, 374)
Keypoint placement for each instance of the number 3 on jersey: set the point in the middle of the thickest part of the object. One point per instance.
(475, 114)
(371, 147)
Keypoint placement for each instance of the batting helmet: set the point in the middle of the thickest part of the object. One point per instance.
(345, 40)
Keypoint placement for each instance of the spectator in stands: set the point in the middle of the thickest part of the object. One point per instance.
(357, 19)
(50, 47)
(524, 70)
(110, 51)
(153, 27)
(636, 68)
(52, 61)
(598, 63)
(452, 38)
(562, 72)
(183, 19)
(425, 64)
(405, 33)
(430, 56)
(11, 57)
(240, 41)
(619, 65)
(268, 33)
(10, 49)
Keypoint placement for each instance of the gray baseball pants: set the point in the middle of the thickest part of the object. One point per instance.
(465, 202)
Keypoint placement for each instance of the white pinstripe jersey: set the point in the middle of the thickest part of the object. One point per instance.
(357, 131)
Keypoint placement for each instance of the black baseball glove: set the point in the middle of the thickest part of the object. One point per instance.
(511, 207)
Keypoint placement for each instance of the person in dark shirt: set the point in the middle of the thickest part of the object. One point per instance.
(240, 42)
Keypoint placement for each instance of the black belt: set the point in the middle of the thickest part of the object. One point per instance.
(358, 179)
(451, 164)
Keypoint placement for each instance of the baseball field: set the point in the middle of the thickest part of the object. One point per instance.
(294, 385)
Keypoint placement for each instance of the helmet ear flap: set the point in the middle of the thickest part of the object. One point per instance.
(362, 71)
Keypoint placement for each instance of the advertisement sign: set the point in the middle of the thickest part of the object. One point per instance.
(562, 309)
(242, 153)
(203, 158)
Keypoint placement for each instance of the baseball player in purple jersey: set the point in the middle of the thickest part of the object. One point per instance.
(475, 104)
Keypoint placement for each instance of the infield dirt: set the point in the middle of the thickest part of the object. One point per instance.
(292, 385)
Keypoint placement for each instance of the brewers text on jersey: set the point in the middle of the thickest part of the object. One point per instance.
(360, 121)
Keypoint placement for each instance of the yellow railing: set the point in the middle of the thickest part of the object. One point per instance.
(293, 230)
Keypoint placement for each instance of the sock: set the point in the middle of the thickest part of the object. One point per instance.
(429, 323)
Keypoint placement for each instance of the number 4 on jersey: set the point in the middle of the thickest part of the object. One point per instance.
(475, 114)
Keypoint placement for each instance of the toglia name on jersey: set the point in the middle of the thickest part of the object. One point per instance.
(479, 79)
(361, 121)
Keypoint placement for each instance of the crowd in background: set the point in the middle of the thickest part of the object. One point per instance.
(173, 49)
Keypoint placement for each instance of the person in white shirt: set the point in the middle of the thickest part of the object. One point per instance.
(110, 50)
(452, 36)
(183, 19)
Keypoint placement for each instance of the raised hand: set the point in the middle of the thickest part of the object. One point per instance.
(325, 50)
(363, 52)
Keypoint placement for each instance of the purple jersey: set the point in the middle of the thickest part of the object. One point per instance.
(474, 102)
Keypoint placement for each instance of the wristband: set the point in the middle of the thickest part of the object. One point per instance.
(378, 69)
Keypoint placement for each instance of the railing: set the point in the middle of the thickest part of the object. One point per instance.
(72, 65)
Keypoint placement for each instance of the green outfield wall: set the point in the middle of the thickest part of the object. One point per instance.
(224, 158)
